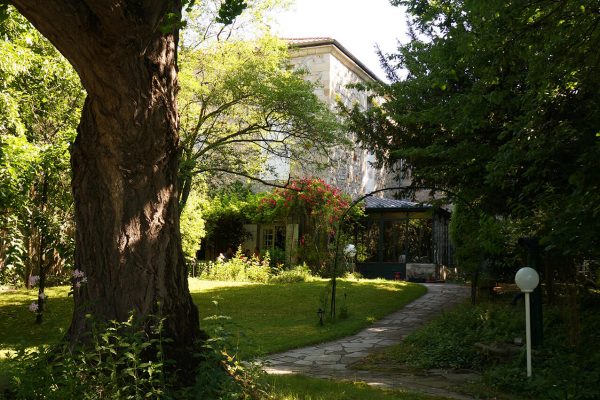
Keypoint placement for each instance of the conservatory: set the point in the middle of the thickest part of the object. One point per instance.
(403, 240)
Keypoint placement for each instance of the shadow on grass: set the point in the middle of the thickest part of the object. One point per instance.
(266, 318)
(295, 387)
(279, 317)
(17, 323)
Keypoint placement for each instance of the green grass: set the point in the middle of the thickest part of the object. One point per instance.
(566, 365)
(17, 323)
(295, 387)
(273, 318)
(265, 318)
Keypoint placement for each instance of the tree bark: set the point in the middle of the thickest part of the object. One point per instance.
(125, 160)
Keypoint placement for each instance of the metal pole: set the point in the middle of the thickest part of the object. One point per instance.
(528, 333)
(533, 260)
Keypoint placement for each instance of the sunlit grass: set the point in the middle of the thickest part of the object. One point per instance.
(294, 387)
(264, 318)
(272, 318)
(198, 285)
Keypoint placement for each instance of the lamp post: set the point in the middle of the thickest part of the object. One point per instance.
(350, 252)
(527, 279)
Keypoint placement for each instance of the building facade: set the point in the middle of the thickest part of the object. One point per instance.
(388, 241)
(334, 69)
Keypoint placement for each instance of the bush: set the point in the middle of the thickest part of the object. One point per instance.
(116, 365)
(222, 375)
(125, 362)
(449, 340)
(561, 370)
(276, 257)
(300, 273)
(355, 276)
(239, 268)
(244, 269)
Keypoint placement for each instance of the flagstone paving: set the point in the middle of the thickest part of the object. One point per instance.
(333, 359)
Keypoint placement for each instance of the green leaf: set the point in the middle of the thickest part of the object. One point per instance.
(230, 10)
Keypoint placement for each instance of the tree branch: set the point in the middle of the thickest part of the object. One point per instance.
(253, 178)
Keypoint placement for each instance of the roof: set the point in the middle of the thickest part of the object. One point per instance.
(325, 41)
(393, 204)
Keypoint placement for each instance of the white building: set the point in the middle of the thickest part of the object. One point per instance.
(402, 239)
(333, 68)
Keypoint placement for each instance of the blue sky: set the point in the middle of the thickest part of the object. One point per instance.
(357, 24)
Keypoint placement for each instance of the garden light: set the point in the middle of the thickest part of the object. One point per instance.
(527, 279)
(350, 250)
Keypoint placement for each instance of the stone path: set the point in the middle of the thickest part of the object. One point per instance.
(333, 359)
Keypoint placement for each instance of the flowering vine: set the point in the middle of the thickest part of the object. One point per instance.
(319, 207)
(312, 197)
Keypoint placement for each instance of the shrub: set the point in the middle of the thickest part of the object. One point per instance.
(239, 268)
(125, 362)
(299, 273)
(356, 276)
(562, 370)
(225, 214)
(276, 257)
(243, 269)
(222, 375)
(449, 340)
(116, 365)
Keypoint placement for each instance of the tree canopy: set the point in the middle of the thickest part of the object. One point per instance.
(39, 104)
(243, 104)
(499, 102)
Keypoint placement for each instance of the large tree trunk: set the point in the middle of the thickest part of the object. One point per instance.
(125, 160)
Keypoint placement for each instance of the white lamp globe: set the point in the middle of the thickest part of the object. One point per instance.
(527, 279)
(350, 250)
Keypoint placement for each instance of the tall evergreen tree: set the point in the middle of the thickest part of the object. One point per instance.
(499, 102)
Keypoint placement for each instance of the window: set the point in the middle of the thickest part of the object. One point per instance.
(394, 247)
(273, 237)
(268, 234)
(370, 241)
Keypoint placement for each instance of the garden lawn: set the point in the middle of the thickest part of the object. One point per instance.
(17, 324)
(271, 318)
(295, 387)
(264, 318)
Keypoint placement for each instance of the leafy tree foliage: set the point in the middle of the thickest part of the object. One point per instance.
(39, 103)
(192, 222)
(242, 103)
(226, 211)
(499, 102)
(202, 26)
